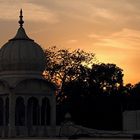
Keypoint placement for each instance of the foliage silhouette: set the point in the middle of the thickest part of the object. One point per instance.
(105, 78)
(63, 66)
(92, 92)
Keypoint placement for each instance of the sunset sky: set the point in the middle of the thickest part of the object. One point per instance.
(108, 28)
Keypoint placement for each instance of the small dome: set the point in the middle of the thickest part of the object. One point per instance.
(21, 53)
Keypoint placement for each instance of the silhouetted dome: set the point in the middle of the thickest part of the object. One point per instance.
(22, 54)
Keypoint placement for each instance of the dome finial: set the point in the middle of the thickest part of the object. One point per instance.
(21, 19)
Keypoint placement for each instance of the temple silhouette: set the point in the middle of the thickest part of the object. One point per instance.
(27, 100)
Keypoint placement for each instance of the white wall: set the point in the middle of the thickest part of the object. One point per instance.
(131, 120)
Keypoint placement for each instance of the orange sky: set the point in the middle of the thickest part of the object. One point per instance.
(109, 28)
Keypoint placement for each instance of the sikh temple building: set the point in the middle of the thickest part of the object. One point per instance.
(27, 100)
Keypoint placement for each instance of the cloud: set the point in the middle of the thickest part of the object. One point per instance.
(72, 41)
(126, 39)
(111, 14)
(94, 36)
(32, 11)
(128, 34)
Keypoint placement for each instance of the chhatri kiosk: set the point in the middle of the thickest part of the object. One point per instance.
(27, 100)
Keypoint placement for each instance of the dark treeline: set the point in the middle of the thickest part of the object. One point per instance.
(93, 93)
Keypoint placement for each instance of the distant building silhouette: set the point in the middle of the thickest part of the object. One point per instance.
(27, 100)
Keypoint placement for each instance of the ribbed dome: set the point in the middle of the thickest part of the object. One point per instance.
(22, 54)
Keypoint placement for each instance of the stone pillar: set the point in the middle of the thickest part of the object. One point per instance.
(40, 104)
(4, 117)
(26, 116)
(11, 125)
(53, 115)
(40, 133)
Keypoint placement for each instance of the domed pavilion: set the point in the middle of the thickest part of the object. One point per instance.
(27, 100)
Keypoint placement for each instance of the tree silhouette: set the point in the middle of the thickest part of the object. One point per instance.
(106, 78)
(96, 93)
(89, 93)
(135, 90)
(64, 66)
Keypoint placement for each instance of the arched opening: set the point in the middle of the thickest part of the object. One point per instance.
(33, 111)
(1, 111)
(20, 112)
(45, 112)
